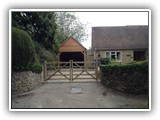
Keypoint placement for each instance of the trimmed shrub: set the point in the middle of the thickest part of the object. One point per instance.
(23, 51)
(24, 57)
(129, 78)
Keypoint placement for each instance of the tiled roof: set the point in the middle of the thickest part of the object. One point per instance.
(120, 37)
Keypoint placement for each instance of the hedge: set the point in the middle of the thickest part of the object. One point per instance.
(35, 68)
(23, 52)
(129, 78)
(104, 61)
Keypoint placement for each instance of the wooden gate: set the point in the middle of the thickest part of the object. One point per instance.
(71, 71)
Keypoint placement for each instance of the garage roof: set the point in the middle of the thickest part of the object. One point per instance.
(71, 45)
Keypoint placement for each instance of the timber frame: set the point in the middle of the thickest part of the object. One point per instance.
(71, 45)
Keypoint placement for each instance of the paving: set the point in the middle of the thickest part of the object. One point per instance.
(77, 95)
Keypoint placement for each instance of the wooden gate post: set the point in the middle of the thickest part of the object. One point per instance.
(45, 70)
(96, 70)
(71, 69)
(85, 59)
(58, 65)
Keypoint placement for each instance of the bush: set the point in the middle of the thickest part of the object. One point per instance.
(24, 57)
(104, 61)
(23, 51)
(36, 67)
(129, 68)
(130, 78)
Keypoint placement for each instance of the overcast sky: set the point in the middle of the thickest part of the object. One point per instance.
(110, 19)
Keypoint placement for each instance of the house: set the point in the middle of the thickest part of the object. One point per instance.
(121, 43)
(71, 49)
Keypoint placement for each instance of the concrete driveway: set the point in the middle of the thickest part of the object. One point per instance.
(77, 95)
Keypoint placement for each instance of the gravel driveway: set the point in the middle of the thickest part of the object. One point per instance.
(77, 95)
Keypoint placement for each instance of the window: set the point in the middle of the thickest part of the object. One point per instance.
(115, 56)
(119, 56)
(139, 55)
(107, 55)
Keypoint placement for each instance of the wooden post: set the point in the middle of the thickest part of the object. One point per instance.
(84, 53)
(58, 64)
(45, 70)
(71, 69)
(58, 61)
(96, 69)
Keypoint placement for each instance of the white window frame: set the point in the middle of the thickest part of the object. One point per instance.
(115, 53)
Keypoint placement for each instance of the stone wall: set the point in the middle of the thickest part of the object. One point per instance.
(25, 81)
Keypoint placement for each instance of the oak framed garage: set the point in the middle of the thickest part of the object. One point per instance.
(71, 64)
(71, 49)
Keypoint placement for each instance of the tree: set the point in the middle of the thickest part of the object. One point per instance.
(69, 25)
(40, 26)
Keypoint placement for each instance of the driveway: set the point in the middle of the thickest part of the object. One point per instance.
(77, 95)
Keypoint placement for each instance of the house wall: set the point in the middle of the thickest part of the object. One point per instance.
(147, 54)
(127, 55)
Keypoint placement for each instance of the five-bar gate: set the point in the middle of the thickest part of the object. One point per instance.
(71, 70)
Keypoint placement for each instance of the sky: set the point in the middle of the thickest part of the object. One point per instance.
(93, 19)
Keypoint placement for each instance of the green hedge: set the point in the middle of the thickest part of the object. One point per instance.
(130, 78)
(104, 61)
(35, 67)
(23, 52)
